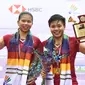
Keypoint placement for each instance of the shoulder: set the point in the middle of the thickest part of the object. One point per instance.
(37, 43)
(70, 38)
(7, 37)
(73, 40)
(44, 42)
(74, 43)
(35, 39)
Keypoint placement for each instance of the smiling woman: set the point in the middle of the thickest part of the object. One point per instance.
(20, 47)
(64, 49)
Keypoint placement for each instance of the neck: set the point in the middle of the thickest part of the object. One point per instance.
(23, 34)
(58, 41)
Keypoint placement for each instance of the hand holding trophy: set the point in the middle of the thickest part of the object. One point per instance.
(79, 29)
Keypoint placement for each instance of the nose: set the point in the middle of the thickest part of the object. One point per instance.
(26, 22)
(56, 28)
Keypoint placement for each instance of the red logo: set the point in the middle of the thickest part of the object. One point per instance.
(16, 9)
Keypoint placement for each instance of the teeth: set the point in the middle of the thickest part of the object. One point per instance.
(56, 33)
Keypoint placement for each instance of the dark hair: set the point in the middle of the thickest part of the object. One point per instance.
(56, 17)
(25, 12)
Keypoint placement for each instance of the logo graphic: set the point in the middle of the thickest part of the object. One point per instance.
(7, 79)
(71, 19)
(73, 9)
(16, 9)
(35, 9)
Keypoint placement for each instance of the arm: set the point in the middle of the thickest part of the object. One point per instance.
(82, 47)
(1, 43)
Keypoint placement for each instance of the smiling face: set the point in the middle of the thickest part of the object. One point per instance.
(25, 22)
(57, 25)
(57, 28)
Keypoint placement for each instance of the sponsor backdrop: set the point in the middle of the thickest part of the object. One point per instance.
(41, 10)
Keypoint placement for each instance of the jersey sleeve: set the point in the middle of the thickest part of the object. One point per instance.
(6, 39)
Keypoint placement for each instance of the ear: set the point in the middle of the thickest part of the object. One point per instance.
(17, 22)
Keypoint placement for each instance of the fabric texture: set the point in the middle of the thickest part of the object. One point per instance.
(20, 56)
(66, 64)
